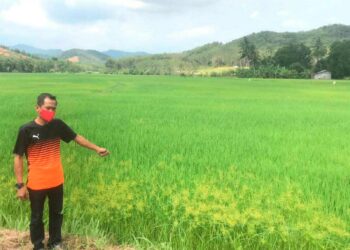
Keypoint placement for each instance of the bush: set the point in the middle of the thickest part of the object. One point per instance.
(270, 71)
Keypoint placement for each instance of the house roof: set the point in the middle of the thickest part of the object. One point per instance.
(323, 71)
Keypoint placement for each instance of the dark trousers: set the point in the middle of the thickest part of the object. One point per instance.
(37, 200)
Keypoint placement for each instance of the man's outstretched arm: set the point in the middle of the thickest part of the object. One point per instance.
(85, 143)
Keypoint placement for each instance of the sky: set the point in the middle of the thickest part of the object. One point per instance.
(156, 26)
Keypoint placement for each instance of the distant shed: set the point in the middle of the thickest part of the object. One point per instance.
(323, 75)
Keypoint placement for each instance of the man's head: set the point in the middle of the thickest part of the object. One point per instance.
(46, 106)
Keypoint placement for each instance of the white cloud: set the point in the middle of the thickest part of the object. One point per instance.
(294, 24)
(155, 25)
(129, 4)
(333, 19)
(27, 13)
(97, 28)
(133, 34)
(71, 3)
(254, 14)
(282, 13)
(192, 33)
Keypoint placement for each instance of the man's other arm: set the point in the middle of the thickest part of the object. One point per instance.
(18, 168)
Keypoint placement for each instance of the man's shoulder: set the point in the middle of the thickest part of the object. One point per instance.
(27, 125)
(57, 121)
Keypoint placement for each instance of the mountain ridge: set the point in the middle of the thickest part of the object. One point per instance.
(217, 54)
(47, 53)
(212, 54)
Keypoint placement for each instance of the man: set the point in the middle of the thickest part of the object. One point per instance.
(39, 140)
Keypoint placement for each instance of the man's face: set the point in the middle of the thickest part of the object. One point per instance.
(47, 105)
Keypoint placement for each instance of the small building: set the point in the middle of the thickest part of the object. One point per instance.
(323, 75)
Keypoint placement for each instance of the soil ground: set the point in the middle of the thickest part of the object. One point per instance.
(13, 240)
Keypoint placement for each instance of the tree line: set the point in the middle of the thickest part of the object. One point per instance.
(295, 60)
(27, 63)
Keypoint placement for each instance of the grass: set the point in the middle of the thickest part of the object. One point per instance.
(205, 163)
(212, 71)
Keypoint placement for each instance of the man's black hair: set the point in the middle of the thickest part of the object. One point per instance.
(42, 96)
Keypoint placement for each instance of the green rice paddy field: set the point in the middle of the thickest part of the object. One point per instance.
(196, 163)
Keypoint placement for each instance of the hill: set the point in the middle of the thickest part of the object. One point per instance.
(47, 53)
(6, 52)
(14, 60)
(219, 54)
(44, 53)
(267, 42)
(122, 54)
(210, 55)
(85, 56)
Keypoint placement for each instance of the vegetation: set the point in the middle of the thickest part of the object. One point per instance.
(196, 163)
(248, 52)
(91, 57)
(264, 54)
(229, 54)
(339, 59)
(271, 71)
(295, 61)
(319, 50)
(30, 66)
(293, 56)
(17, 61)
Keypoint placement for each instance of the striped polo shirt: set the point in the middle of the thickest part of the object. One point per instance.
(41, 145)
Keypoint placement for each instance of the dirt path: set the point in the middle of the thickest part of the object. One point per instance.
(14, 240)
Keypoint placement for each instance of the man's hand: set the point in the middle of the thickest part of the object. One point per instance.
(22, 193)
(102, 152)
(85, 143)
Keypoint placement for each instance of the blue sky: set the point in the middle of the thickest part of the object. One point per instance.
(156, 25)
